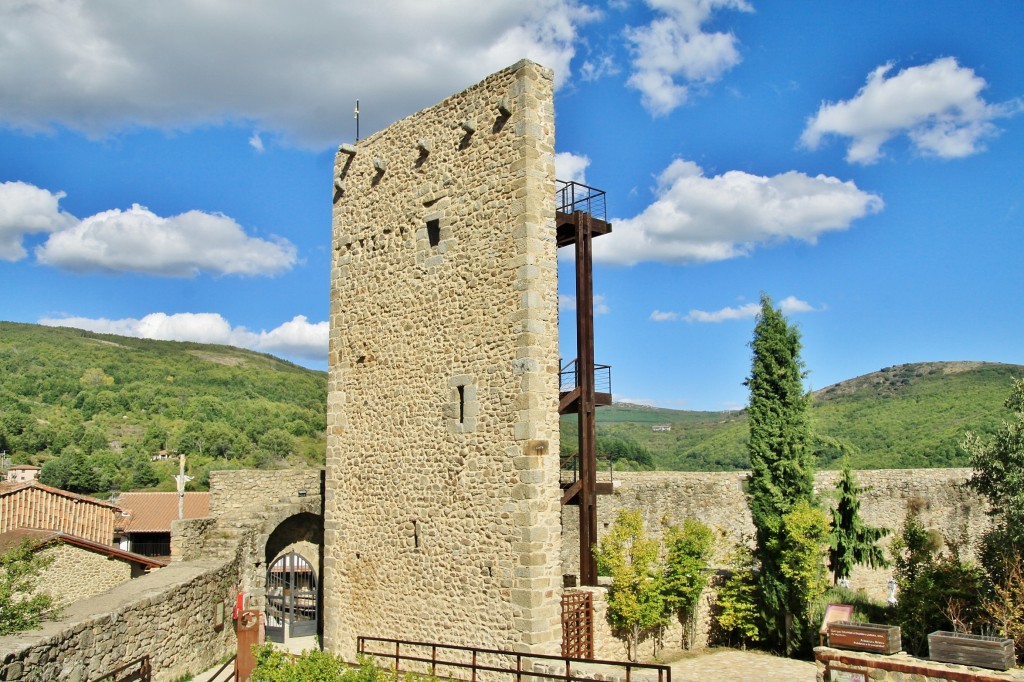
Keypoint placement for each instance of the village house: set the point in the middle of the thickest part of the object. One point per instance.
(145, 526)
(22, 473)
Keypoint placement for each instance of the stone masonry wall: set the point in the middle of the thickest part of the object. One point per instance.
(718, 499)
(168, 614)
(244, 493)
(442, 498)
(78, 573)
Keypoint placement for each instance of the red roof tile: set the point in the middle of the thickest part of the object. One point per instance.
(153, 512)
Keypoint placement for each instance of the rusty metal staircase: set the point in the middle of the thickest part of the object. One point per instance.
(580, 216)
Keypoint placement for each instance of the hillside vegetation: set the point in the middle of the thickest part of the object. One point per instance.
(93, 409)
(906, 416)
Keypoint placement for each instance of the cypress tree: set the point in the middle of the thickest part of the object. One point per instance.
(781, 463)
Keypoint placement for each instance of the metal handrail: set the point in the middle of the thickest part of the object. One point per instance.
(574, 196)
(214, 677)
(569, 378)
(138, 670)
(664, 672)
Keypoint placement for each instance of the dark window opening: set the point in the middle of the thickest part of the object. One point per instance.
(462, 404)
(434, 232)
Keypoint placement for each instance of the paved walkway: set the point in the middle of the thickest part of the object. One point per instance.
(731, 665)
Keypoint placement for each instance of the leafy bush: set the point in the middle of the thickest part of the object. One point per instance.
(937, 591)
(272, 665)
(736, 613)
(21, 607)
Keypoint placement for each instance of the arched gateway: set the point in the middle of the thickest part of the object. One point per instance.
(293, 590)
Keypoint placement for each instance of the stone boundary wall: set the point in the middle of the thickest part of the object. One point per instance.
(244, 493)
(905, 668)
(189, 536)
(718, 499)
(168, 614)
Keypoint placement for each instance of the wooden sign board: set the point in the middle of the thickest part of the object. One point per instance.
(878, 639)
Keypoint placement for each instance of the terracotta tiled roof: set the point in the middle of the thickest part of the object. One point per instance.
(153, 512)
(24, 467)
(34, 505)
(38, 538)
(8, 488)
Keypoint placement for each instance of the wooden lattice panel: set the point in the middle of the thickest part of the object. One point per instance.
(578, 624)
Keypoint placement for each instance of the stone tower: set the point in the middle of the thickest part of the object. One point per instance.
(442, 499)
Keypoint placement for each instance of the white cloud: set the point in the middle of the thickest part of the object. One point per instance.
(295, 68)
(788, 305)
(594, 69)
(138, 240)
(26, 209)
(673, 51)
(296, 338)
(567, 303)
(646, 402)
(792, 304)
(256, 142)
(696, 218)
(659, 316)
(571, 167)
(938, 106)
(738, 313)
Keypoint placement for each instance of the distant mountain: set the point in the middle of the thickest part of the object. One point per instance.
(95, 409)
(911, 416)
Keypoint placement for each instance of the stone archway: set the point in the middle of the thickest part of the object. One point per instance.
(293, 588)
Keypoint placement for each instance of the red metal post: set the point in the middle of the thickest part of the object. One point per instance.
(586, 416)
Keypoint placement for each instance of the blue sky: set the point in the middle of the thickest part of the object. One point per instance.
(165, 169)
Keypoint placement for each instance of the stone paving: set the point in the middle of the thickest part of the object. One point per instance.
(731, 665)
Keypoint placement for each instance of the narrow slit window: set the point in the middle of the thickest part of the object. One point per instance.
(462, 404)
(434, 232)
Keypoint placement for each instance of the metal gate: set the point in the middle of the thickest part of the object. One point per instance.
(291, 598)
(578, 624)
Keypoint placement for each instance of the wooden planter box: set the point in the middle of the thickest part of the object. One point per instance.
(995, 653)
(878, 639)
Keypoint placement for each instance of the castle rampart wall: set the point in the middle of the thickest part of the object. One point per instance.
(942, 496)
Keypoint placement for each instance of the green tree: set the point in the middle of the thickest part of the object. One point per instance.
(21, 607)
(687, 552)
(631, 558)
(781, 462)
(803, 543)
(277, 443)
(999, 475)
(852, 542)
(736, 610)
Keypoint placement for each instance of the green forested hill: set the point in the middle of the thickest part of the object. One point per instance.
(911, 416)
(92, 409)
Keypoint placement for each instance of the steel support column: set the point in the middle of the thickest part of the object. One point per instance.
(586, 417)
